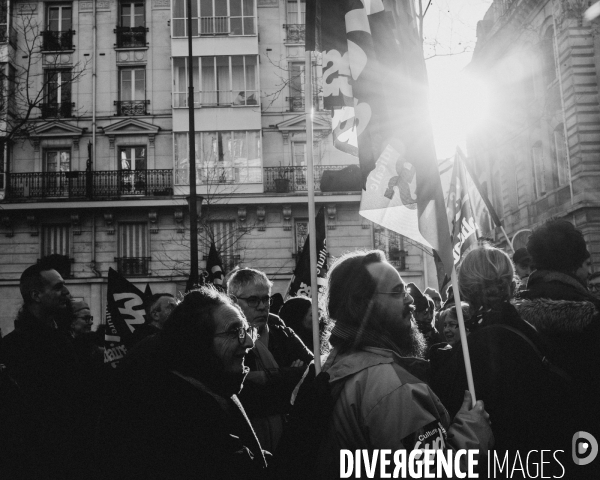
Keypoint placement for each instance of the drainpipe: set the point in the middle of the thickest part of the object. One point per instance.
(93, 260)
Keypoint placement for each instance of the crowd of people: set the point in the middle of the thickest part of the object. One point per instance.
(213, 378)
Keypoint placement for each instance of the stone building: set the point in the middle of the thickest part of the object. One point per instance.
(99, 171)
(539, 149)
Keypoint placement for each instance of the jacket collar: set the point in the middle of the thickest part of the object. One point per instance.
(340, 366)
(26, 321)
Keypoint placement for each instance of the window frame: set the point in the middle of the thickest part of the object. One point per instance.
(52, 6)
(133, 14)
(179, 18)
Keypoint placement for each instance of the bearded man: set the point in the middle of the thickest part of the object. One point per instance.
(383, 400)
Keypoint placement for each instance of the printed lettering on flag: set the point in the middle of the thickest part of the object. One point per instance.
(125, 311)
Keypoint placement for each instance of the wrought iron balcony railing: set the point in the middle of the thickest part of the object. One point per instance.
(53, 41)
(131, 37)
(131, 266)
(90, 185)
(131, 107)
(60, 110)
(295, 33)
(294, 179)
(297, 103)
(214, 25)
(219, 175)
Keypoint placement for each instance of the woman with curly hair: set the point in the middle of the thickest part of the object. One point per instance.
(520, 393)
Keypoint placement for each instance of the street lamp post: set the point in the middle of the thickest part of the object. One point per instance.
(192, 199)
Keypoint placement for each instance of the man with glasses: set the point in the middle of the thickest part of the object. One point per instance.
(377, 367)
(276, 362)
(594, 284)
(174, 411)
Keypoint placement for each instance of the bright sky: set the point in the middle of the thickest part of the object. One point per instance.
(456, 101)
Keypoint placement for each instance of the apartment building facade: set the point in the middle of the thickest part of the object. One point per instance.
(539, 149)
(99, 171)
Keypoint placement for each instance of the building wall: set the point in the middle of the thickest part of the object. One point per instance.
(268, 241)
(540, 61)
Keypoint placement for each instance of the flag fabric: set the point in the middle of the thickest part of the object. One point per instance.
(482, 197)
(373, 64)
(464, 229)
(125, 311)
(147, 291)
(300, 284)
(214, 267)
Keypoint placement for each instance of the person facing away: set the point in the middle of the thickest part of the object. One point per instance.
(567, 315)
(175, 412)
(276, 362)
(42, 361)
(158, 308)
(525, 399)
(376, 365)
(297, 314)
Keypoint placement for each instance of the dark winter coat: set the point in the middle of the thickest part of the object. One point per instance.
(56, 426)
(274, 397)
(519, 392)
(159, 425)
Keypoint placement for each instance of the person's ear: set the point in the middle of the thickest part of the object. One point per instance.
(35, 295)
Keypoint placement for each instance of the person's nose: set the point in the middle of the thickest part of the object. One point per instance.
(65, 292)
(248, 343)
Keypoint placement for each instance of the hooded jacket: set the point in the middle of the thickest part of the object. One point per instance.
(384, 405)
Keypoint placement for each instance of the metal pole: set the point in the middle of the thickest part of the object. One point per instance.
(192, 157)
(312, 229)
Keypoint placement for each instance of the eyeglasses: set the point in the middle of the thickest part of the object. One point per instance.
(594, 287)
(240, 333)
(255, 301)
(396, 294)
(87, 318)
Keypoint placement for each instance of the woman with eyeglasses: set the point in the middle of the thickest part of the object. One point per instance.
(176, 413)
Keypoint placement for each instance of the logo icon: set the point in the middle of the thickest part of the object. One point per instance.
(585, 448)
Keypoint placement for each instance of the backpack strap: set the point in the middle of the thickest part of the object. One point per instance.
(545, 361)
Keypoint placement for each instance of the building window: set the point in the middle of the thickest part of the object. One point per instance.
(560, 147)
(131, 32)
(59, 31)
(3, 20)
(301, 230)
(57, 94)
(217, 17)
(539, 173)
(225, 234)
(221, 81)
(55, 240)
(132, 91)
(296, 20)
(548, 56)
(221, 157)
(134, 253)
(57, 163)
(132, 170)
(297, 87)
(392, 244)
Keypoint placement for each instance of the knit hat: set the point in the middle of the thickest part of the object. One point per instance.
(420, 300)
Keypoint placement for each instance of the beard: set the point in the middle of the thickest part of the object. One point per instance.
(408, 339)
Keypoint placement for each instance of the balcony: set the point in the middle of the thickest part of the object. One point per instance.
(133, 266)
(219, 175)
(57, 110)
(131, 37)
(222, 25)
(214, 25)
(131, 107)
(216, 98)
(55, 41)
(295, 33)
(294, 179)
(296, 103)
(91, 185)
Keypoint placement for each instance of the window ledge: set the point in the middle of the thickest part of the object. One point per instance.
(121, 49)
(70, 50)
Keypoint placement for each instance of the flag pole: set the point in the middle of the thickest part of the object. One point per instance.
(312, 226)
(463, 334)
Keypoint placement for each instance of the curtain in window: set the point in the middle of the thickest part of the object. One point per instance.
(209, 93)
(223, 84)
(237, 74)
(55, 240)
(134, 240)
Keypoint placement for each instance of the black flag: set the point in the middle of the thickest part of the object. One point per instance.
(300, 283)
(125, 308)
(214, 267)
